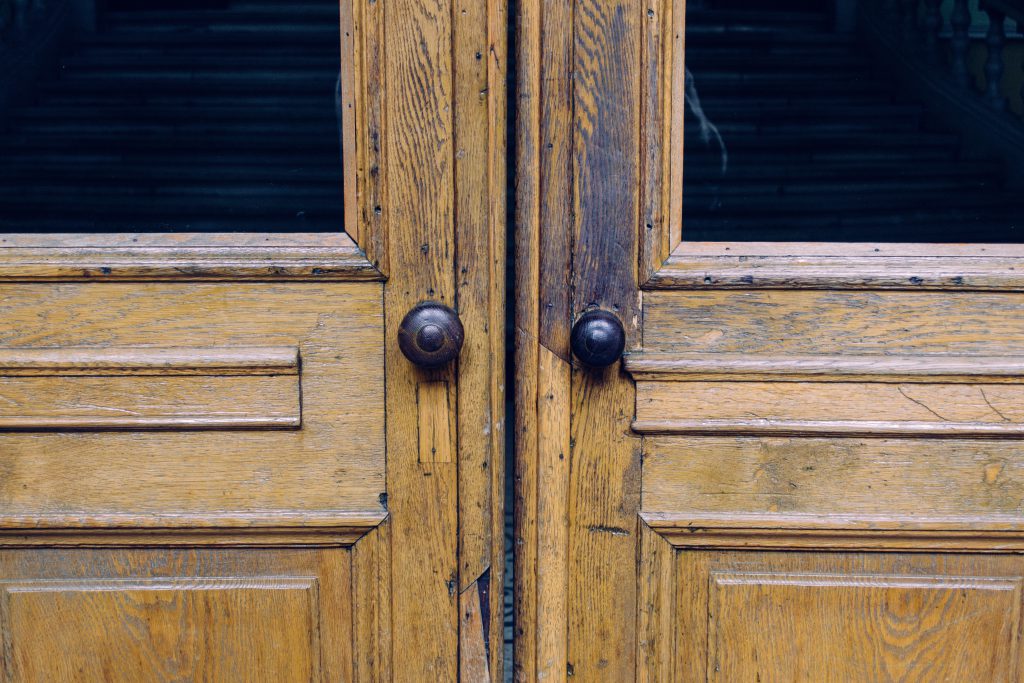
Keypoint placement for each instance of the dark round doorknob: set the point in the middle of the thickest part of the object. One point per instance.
(598, 339)
(431, 335)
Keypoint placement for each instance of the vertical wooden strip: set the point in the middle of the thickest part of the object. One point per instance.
(419, 204)
(553, 378)
(371, 603)
(474, 289)
(655, 139)
(527, 280)
(676, 110)
(544, 209)
(370, 93)
(554, 220)
(692, 612)
(350, 61)
(497, 88)
(656, 625)
(480, 222)
(605, 475)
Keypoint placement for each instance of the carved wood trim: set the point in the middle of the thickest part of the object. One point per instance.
(867, 534)
(101, 389)
(704, 367)
(271, 529)
(183, 257)
(118, 362)
(900, 396)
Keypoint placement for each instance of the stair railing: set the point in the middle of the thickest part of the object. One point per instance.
(16, 16)
(929, 50)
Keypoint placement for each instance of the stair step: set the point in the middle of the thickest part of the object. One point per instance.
(118, 114)
(258, 132)
(160, 59)
(892, 171)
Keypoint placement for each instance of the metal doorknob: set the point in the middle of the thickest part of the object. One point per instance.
(431, 335)
(598, 339)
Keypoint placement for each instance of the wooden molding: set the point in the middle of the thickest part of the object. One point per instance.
(102, 389)
(183, 257)
(768, 427)
(321, 529)
(703, 367)
(778, 269)
(782, 532)
(863, 395)
(116, 362)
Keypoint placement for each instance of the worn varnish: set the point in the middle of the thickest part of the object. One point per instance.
(205, 435)
(806, 468)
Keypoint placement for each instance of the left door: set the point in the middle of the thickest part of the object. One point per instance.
(216, 462)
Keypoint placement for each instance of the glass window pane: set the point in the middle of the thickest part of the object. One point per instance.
(846, 121)
(154, 115)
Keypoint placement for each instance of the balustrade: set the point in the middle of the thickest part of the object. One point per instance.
(919, 26)
(16, 16)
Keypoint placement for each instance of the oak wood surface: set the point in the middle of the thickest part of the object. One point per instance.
(543, 318)
(298, 333)
(796, 398)
(128, 615)
(850, 617)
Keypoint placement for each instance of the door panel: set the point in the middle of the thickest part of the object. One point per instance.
(217, 463)
(807, 464)
(230, 396)
(196, 614)
(819, 616)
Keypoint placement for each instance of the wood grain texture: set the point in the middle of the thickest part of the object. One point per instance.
(848, 408)
(604, 487)
(371, 161)
(142, 388)
(183, 256)
(418, 207)
(835, 323)
(834, 478)
(543, 317)
(905, 628)
(371, 607)
(775, 267)
(656, 613)
(128, 615)
(878, 617)
(434, 417)
(334, 463)
(662, 97)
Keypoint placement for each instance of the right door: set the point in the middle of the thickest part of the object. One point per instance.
(808, 464)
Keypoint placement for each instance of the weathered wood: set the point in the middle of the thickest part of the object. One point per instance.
(605, 469)
(182, 257)
(418, 210)
(334, 462)
(178, 614)
(543, 318)
(923, 594)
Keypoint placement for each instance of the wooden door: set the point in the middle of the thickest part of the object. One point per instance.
(807, 467)
(218, 465)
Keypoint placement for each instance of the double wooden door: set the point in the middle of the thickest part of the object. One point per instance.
(232, 457)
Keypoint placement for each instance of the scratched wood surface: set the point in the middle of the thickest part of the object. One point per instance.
(423, 117)
(439, 144)
(334, 462)
(543, 318)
